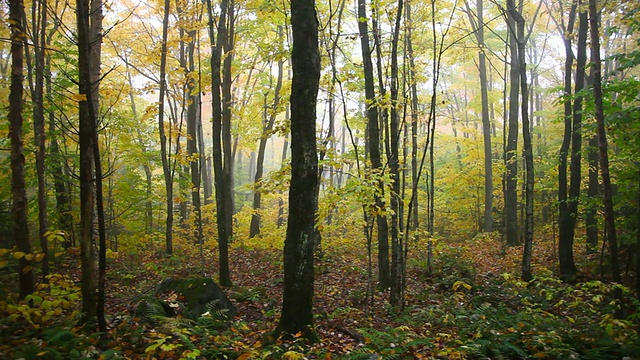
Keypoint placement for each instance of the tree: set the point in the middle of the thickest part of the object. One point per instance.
(221, 116)
(86, 148)
(568, 198)
(38, 38)
(373, 127)
(167, 169)
(297, 303)
(267, 129)
(19, 204)
(603, 147)
(521, 39)
(478, 29)
(511, 145)
(397, 258)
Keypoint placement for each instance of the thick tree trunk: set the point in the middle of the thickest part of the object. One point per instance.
(19, 205)
(373, 127)
(297, 303)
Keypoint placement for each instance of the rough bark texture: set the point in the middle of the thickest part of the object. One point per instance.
(373, 127)
(19, 205)
(297, 303)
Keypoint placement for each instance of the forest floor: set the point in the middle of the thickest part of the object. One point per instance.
(470, 305)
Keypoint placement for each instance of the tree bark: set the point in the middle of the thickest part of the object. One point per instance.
(164, 149)
(511, 147)
(609, 214)
(397, 259)
(478, 27)
(373, 127)
(222, 186)
(297, 303)
(19, 204)
(193, 121)
(39, 25)
(87, 188)
(591, 220)
(568, 209)
(526, 136)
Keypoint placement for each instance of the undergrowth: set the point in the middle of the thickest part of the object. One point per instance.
(457, 310)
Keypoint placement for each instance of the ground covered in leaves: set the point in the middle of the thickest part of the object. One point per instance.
(471, 305)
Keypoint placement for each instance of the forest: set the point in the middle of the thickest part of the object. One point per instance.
(302, 179)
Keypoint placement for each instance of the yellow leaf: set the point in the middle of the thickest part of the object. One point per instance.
(79, 97)
(19, 255)
(27, 269)
(29, 257)
(4, 251)
(292, 355)
(3, 264)
(39, 257)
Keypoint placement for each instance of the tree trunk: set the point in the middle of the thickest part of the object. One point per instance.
(478, 28)
(39, 26)
(414, 220)
(19, 205)
(397, 259)
(164, 148)
(511, 147)
(526, 136)
(297, 303)
(609, 214)
(373, 127)
(193, 123)
(87, 188)
(222, 189)
(568, 209)
(591, 209)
